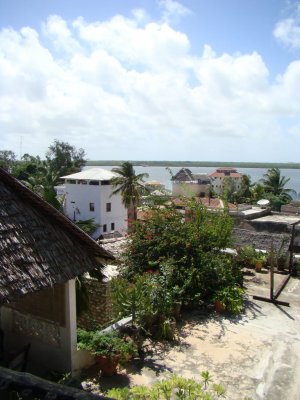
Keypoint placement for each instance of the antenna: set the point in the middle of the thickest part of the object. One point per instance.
(21, 147)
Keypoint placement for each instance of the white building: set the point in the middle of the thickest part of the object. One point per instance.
(221, 175)
(88, 194)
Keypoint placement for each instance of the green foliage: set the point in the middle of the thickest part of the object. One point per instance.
(231, 297)
(148, 299)
(7, 159)
(87, 225)
(183, 257)
(130, 186)
(64, 158)
(274, 185)
(107, 344)
(175, 387)
(42, 176)
(246, 256)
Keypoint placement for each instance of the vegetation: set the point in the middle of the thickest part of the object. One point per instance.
(274, 187)
(88, 225)
(231, 297)
(170, 259)
(130, 186)
(175, 387)
(107, 344)
(210, 164)
(42, 176)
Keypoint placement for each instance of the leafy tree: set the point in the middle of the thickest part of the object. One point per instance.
(244, 194)
(28, 166)
(64, 158)
(130, 186)
(187, 250)
(7, 159)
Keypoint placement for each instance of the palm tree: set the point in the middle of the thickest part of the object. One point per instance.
(130, 186)
(274, 184)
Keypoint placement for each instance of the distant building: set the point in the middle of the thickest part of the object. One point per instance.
(219, 177)
(88, 195)
(185, 183)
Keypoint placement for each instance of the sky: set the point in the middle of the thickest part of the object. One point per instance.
(194, 80)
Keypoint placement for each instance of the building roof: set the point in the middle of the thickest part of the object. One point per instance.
(39, 246)
(261, 240)
(186, 175)
(223, 174)
(95, 174)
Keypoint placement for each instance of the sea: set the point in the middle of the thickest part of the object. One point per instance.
(163, 175)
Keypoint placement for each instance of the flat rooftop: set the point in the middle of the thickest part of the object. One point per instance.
(279, 219)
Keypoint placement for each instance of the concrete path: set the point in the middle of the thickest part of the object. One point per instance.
(255, 355)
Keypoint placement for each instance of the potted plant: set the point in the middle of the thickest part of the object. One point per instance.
(108, 348)
(260, 261)
(229, 298)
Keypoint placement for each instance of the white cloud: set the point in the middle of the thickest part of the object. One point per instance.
(172, 11)
(128, 88)
(287, 30)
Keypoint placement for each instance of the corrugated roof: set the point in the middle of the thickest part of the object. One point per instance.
(39, 246)
(95, 174)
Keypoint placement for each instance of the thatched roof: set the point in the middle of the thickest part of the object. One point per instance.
(261, 240)
(39, 246)
(184, 174)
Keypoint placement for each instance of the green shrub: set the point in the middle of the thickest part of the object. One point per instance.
(105, 344)
(231, 297)
(175, 387)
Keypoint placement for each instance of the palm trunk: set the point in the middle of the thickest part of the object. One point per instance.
(132, 217)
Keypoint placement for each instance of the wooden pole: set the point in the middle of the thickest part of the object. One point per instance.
(272, 281)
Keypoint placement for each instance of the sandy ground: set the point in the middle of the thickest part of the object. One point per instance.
(256, 354)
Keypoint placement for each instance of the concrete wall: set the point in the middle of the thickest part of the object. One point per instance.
(53, 344)
(189, 189)
(77, 206)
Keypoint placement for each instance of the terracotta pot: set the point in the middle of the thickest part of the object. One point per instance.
(258, 266)
(108, 365)
(219, 306)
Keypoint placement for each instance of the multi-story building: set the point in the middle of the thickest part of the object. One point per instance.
(221, 175)
(88, 194)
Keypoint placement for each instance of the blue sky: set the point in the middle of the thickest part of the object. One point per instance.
(200, 80)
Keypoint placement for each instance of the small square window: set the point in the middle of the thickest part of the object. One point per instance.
(92, 206)
(108, 207)
(104, 228)
(112, 226)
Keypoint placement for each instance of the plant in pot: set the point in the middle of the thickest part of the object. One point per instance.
(260, 261)
(108, 348)
(229, 299)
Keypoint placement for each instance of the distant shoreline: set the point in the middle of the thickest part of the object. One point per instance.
(196, 164)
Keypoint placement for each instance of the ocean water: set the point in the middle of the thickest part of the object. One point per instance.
(162, 175)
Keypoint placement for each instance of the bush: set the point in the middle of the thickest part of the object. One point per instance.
(231, 298)
(183, 254)
(105, 344)
(176, 387)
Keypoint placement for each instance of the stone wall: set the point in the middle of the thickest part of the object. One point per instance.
(100, 313)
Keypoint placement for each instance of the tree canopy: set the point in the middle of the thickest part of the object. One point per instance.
(187, 249)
